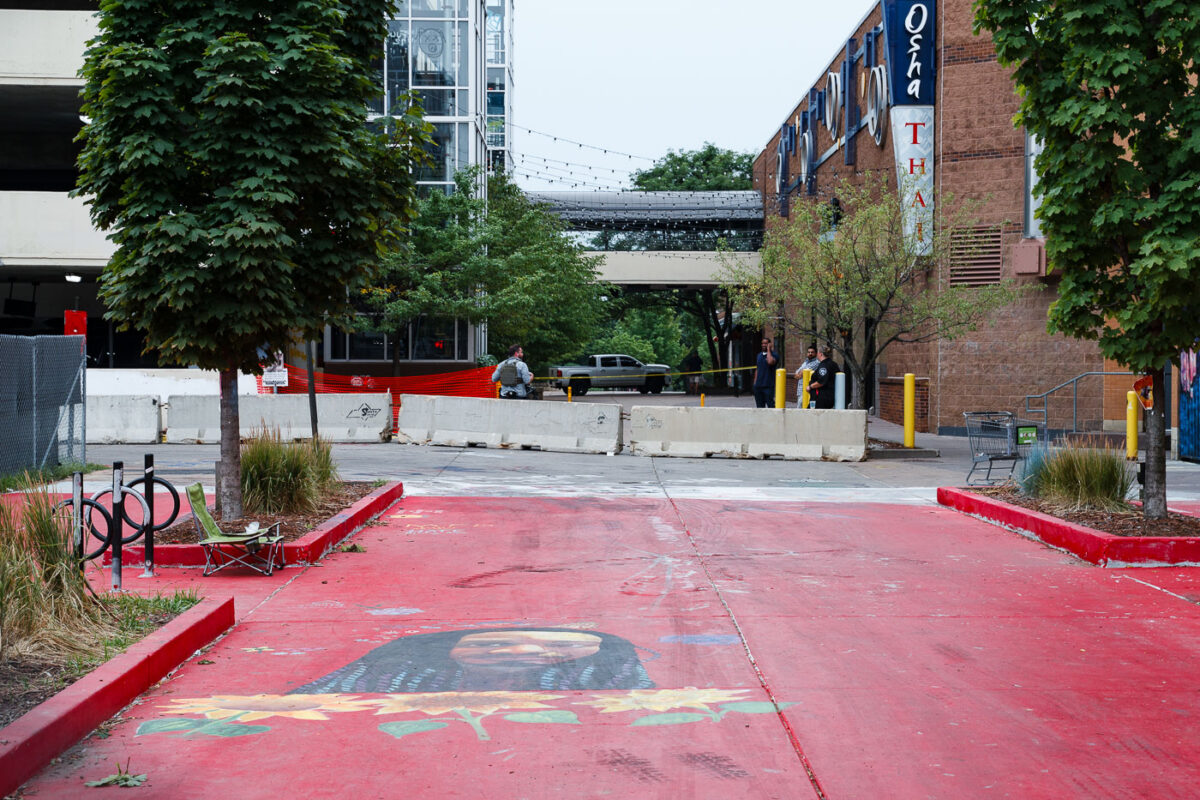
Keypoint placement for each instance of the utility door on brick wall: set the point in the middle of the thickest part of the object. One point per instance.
(1189, 421)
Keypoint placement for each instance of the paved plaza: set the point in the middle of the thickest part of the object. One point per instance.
(536, 625)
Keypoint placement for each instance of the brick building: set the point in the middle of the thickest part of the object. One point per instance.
(908, 67)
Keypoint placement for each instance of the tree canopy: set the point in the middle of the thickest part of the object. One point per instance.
(709, 169)
(860, 282)
(503, 261)
(1110, 90)
(227, 149)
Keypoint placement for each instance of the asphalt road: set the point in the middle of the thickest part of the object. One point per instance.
(451, 471)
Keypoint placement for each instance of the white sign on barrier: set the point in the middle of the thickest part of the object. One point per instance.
(276, 374)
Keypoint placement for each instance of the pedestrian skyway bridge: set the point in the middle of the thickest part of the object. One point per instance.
(664, 240)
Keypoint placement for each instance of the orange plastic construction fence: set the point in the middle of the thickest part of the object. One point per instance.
(463, 383)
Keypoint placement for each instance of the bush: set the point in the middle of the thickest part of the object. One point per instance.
(48, 614)
(321, 453)
(1084, 476)
(285, 477)
(45, 609)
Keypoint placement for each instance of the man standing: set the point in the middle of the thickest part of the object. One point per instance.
(764, 376)
(821, 385)
(516, 381)
(691, 367)
(810, 363)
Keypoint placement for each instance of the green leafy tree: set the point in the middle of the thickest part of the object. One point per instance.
(650, 334)
(863, 283)
(709, 169)
(550, 282)
(227, 150)
(623, 340)
(503, 261)
(1110, 90)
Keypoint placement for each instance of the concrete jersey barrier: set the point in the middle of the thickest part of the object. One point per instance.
(466, 421)
(123, 419)
(790, 433)
(340, 417)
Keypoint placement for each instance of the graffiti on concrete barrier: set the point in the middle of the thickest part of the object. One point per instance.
(363, 412)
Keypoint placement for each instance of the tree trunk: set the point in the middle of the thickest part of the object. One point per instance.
(1154, 500)
(857, 389)
(229, 477)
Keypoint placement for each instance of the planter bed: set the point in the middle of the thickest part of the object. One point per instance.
(1093, 546)
(305, 550)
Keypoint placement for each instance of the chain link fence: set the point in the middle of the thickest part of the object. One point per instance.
(42, 402)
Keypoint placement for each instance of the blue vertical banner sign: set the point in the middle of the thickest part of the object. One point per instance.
(910, 32)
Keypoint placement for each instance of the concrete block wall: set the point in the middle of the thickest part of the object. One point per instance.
(466, 421)
(340, 417)
(792, 434)
(123, 419)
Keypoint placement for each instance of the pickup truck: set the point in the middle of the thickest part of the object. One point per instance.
(610, 371)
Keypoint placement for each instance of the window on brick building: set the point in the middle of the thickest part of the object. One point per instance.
(1033, 146)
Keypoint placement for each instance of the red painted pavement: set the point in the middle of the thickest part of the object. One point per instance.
(914, 652)
(29, 743)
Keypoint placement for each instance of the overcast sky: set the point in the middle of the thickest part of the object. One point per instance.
(642, 77)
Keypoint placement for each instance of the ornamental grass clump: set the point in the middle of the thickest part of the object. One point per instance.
(45, 607)
(285, 477)
(1085, 476)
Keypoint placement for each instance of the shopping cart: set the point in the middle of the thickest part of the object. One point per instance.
(998, 438)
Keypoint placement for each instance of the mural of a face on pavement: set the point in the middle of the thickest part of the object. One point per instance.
(498, 659)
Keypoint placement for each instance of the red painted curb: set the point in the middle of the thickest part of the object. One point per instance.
(319, 541)
(305, 550)
(30, 742)
(1096, 547)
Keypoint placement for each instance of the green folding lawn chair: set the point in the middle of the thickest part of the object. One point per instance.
(257, 548)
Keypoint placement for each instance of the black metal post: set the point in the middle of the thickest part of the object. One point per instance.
(312, 389)
(148, 523)
(117, 529)
(77, 515)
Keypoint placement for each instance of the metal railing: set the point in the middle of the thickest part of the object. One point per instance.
(1074, 384)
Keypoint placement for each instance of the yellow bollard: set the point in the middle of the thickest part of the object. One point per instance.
(702, 400)
(806, 378)
(497, 390)
(781, 388)
(910, 410)
(568, 392)
(1131, 425)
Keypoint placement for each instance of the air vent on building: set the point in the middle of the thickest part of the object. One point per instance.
(976, 256)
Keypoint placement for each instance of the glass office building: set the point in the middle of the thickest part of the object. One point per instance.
(435, 48)
(499, 83)
(441, 50)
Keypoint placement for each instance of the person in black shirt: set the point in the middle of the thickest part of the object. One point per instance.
(822, 379)
(764, 375)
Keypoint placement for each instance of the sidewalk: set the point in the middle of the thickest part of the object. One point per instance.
(681, 648)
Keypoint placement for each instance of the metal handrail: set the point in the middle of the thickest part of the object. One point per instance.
(1074, 383)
